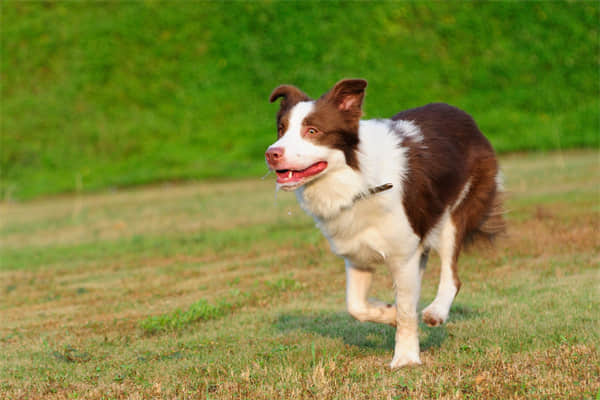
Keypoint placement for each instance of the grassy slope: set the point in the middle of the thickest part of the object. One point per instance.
(82, 277)
(107, 94)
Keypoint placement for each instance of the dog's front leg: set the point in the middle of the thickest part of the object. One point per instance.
(358, 282)
(407, 284)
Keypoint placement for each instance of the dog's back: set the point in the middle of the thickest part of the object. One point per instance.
(451, 165)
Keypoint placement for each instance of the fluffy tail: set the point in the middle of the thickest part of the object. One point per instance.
(493, 223)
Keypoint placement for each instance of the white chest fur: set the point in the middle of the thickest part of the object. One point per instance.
(370, 230)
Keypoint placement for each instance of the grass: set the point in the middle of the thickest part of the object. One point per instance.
(98, 95)
(198, 311)
(222, 290)
(203, 310)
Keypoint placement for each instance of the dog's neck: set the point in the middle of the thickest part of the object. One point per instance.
(336, 192)
(373, 190)
(331, 193)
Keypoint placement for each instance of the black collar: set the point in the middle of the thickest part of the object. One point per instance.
(372, 191)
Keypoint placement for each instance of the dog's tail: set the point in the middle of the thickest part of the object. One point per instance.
(493, 223)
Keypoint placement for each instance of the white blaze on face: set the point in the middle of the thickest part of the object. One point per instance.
(299, 153)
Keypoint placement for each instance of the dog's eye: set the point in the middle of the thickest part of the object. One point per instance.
(312, 131)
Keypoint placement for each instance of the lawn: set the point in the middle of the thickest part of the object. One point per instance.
(227, 290)
(105, 94)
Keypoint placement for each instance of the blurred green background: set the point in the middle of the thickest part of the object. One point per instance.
(109, 94)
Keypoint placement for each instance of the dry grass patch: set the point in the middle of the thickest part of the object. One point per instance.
(261, 298)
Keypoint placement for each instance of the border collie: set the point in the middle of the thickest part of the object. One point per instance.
(387, 191)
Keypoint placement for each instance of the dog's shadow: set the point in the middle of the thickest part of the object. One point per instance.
(364, 334)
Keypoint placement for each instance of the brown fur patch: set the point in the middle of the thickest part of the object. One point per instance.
(291, 96)
(451, 153)
(336, 131)
(337, 114)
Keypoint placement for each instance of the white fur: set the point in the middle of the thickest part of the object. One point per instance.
(362, 231)
(500, 181)
(301, 153)
(380, 154)
(407, 284)
(409, 129)
(442, 239)
(373, 230)
(358, 283)
(462, 195)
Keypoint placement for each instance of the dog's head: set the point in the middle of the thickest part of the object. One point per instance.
(315, 137)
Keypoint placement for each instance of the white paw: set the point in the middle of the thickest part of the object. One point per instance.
(387, 312)
(434, 315)
(405, 360)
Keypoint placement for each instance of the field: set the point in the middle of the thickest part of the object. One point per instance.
(141, 256)
(118, 93)
(227, 290)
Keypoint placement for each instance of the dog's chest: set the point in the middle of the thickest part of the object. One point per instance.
(363, 233)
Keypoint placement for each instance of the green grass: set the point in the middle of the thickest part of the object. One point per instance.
(222, 291)
(198, 311)
(99, 95)
(202, 310)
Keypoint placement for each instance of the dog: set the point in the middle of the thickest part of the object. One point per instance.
(387, 191)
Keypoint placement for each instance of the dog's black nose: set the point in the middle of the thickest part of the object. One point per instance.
(274, 155)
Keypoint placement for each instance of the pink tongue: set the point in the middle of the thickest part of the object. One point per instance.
(284, 177)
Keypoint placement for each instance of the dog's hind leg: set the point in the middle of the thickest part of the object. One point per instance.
(358, 283)
(449, 247)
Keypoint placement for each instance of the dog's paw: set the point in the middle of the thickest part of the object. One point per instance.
(405, 360)
(387, 312)
(434, 316)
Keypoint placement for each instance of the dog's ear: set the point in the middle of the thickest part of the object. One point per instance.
(291, 96)
(348, 95)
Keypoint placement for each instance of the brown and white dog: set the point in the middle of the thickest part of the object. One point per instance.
(386, 191)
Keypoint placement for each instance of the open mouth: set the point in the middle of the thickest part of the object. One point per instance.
(291, 176)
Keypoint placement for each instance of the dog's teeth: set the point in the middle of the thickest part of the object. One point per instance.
(290, 175)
